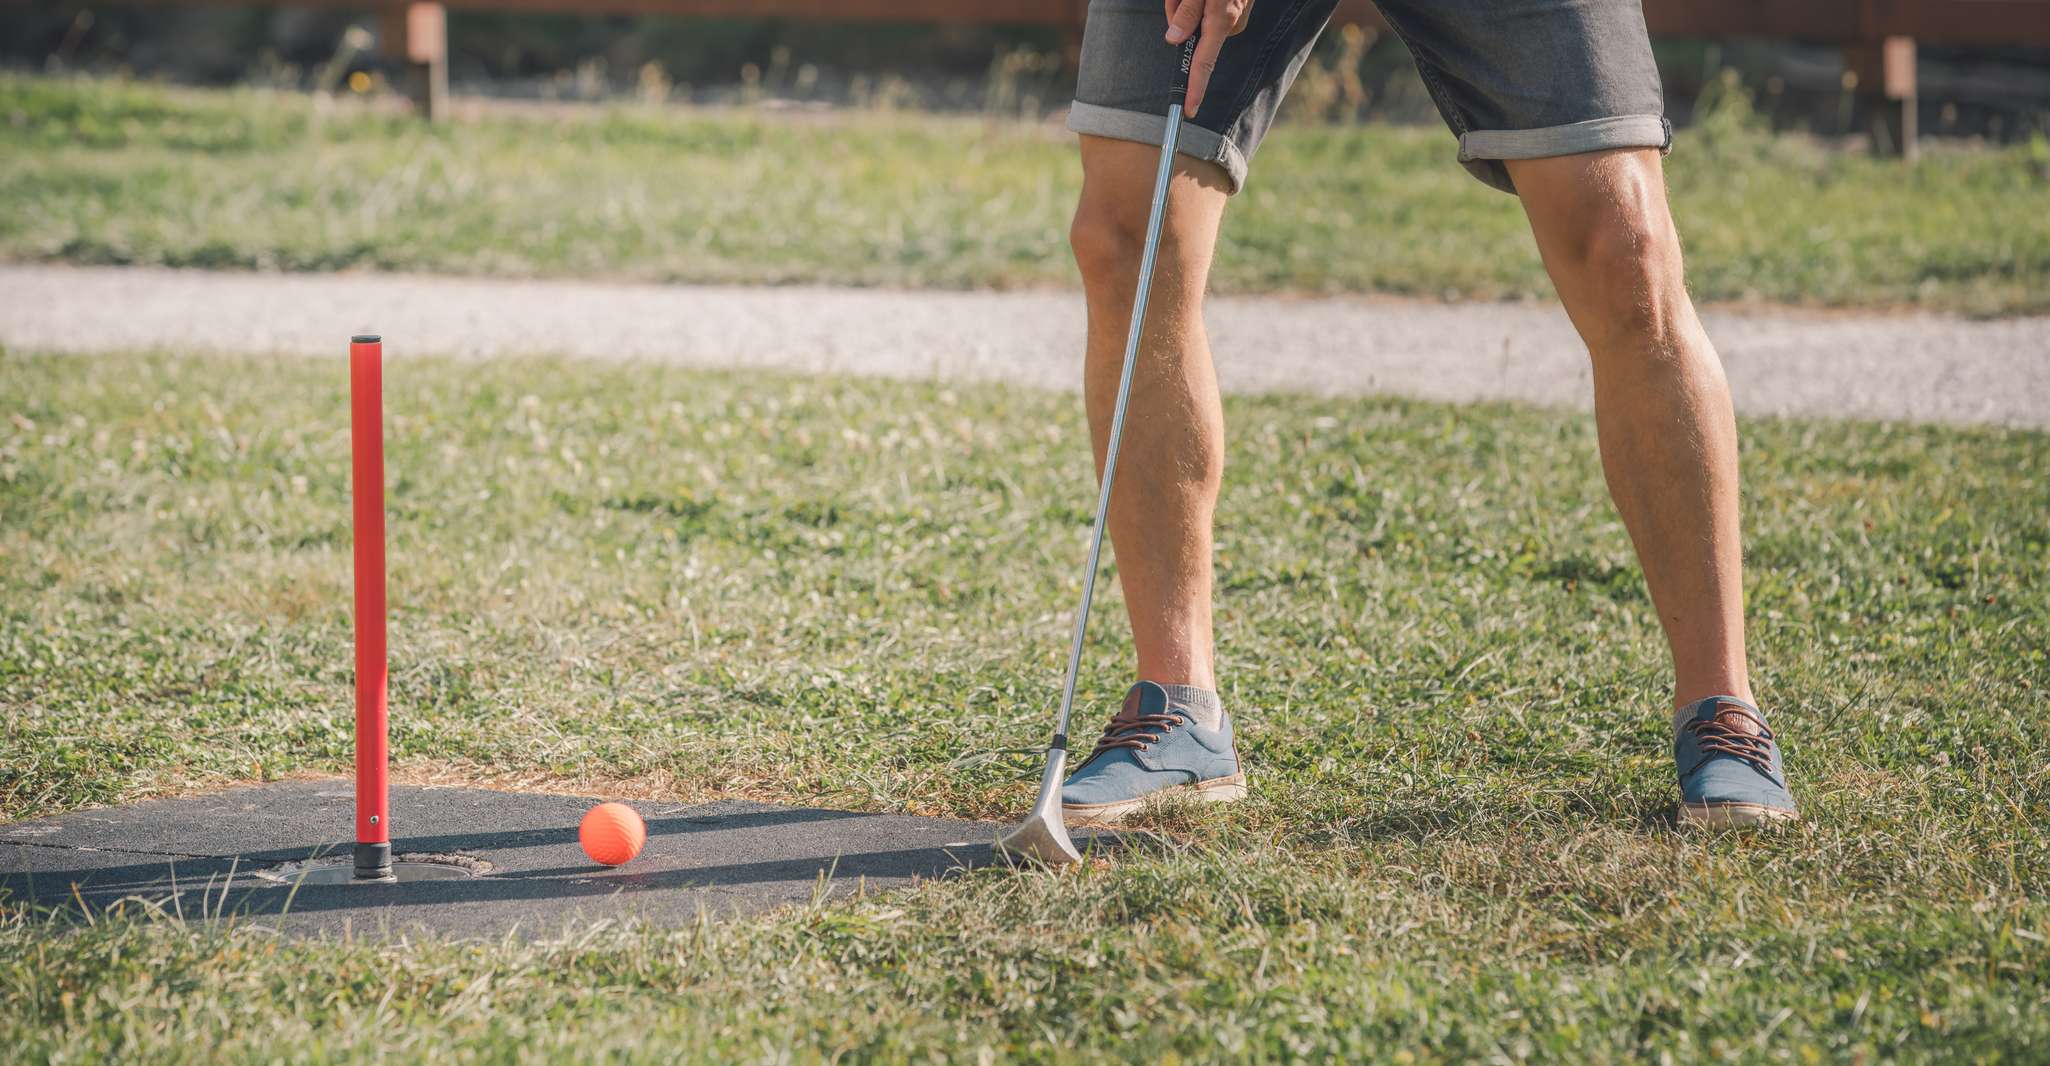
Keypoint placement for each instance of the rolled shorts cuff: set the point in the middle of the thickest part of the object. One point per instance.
(1592, 135)
(1196, 141)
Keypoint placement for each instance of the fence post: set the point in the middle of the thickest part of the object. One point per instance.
(416, 35)
(1884, 70)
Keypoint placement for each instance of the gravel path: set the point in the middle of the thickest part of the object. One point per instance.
(1917, 367)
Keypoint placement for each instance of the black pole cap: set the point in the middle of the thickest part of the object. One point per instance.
(365, 338)
(373, 862)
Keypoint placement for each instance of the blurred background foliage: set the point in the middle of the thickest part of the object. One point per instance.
(2001, 95)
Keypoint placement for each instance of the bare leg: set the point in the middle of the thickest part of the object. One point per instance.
(1662, 408)
(1172, 456)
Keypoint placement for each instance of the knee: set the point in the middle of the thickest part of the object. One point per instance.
(1107, 238)
(1628, 250)
(1108, 235)
(1626, 261)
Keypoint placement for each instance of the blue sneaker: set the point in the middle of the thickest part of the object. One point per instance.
(1729, 764)
(1152, 750)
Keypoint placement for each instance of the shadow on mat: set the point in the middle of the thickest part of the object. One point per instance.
(197, 887)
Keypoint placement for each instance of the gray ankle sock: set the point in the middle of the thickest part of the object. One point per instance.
(1203, 706)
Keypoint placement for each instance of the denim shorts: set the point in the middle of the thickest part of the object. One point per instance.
(1515, 79)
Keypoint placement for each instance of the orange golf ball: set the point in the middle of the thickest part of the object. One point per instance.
(612, 833)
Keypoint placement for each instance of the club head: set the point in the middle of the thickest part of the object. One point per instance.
(1040, 839)
(1043, 836)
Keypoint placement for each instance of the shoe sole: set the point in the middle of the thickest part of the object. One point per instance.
(1215, 790)
(1735, 816)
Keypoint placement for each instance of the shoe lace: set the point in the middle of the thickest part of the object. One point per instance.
(1725, 734)
(1130, 728)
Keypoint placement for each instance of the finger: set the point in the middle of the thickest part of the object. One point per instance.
(1182, 19)
(1241, 17)
(1214, 33)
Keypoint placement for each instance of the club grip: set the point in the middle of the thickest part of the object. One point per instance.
(1180, 90)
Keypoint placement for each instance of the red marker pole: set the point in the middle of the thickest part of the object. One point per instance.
(366, 437)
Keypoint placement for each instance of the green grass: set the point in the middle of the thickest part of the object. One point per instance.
(1449, 683)
(111, 172)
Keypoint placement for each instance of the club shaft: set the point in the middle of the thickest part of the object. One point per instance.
(1117, 417)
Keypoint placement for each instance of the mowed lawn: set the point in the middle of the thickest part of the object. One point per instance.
(643, 581)
(111, 172)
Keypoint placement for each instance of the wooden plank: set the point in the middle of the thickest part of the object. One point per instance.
(1024, 12)
(1961, 22)
(1020, 12)
(1830, 21)
(1988, 22)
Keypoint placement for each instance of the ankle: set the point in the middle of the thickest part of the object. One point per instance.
(1685, 697)
(1201, 703)
(1190, 671)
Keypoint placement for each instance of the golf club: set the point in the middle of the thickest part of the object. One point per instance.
(1043, 835)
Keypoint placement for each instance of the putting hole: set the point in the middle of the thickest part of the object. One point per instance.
(341, 870)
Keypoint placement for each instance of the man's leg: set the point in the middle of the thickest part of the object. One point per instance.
(1171, 736)
(1172, 456)
(1669, 450)
(1662, 409)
